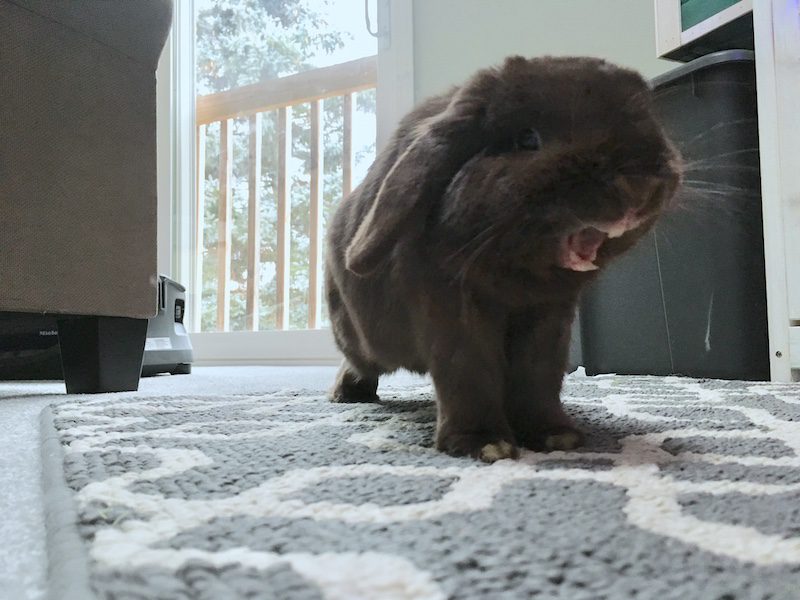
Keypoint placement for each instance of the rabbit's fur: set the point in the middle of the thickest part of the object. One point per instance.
(463, 251)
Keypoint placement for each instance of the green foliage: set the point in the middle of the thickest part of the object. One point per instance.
(244, 41)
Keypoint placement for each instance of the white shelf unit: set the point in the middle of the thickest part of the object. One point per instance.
(670, 35)
(776, 37)
(776, 26)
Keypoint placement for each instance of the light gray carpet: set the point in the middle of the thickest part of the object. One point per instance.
(686, 489)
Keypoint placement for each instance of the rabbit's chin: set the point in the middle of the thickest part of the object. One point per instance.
(578, 250)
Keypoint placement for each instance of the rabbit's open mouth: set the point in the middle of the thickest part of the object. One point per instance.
(578, 251)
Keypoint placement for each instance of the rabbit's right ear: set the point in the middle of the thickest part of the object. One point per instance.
(442, 144)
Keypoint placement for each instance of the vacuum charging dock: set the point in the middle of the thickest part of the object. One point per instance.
(168, 348)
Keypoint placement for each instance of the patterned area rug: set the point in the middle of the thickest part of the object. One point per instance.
(686, 489)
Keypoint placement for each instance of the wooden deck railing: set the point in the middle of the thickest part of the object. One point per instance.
(252, 101)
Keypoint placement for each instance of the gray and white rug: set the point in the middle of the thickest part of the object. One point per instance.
(686, 489)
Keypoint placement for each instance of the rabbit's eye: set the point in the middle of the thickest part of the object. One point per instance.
(529, 139)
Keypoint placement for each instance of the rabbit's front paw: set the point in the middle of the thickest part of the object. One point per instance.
(352, 387)
(352, 394)
(561, 437)
(484, 446)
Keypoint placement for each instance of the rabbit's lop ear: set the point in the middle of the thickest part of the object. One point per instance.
(442, 144)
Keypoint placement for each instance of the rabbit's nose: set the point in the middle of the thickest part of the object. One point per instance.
(642, 195)
(638, 190)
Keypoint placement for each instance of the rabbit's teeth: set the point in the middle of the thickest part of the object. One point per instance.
(576, 263)
(617, 229)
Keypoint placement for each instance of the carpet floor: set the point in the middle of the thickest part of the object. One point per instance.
(685, 489)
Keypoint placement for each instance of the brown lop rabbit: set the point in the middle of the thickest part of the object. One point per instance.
(463, 252)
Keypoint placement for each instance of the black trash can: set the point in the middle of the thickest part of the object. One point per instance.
(690, 299)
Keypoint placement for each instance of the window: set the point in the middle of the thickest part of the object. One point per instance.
(285, 124)
(267, 114)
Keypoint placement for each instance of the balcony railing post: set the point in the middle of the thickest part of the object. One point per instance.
(224, 226)
(284, 218)
(253, 222)
(315, 218)
(347, 144)
(199, 251)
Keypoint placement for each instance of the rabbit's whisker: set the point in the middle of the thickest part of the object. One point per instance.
(702, 161)
(692, 168)
(716, 129)
(477, 240)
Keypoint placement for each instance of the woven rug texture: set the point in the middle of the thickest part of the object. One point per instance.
(685, 489)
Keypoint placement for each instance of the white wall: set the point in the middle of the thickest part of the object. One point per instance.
(453, 38)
